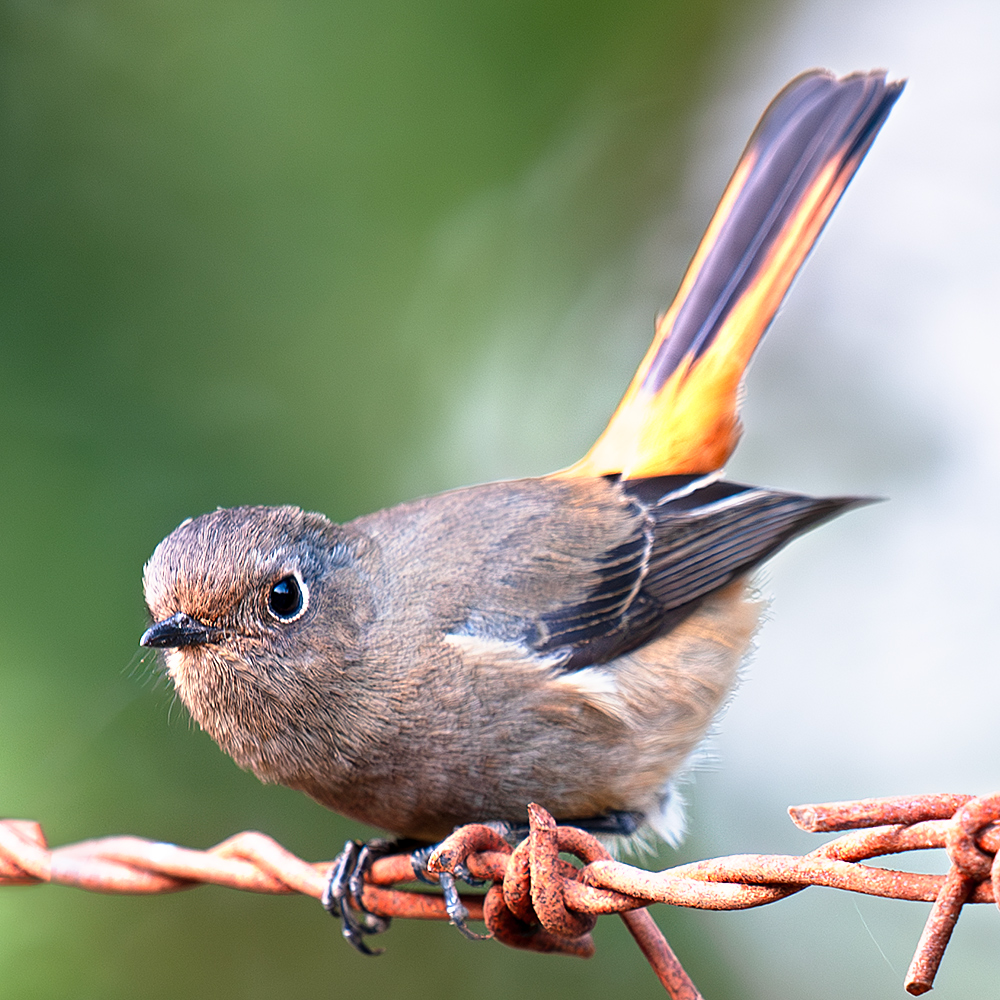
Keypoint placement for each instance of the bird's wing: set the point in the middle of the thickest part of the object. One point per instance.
(676, 539)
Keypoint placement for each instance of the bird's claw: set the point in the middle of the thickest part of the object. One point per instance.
(342, 895)
(457, 912)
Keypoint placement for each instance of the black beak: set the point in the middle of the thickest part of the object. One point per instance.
(178, 631)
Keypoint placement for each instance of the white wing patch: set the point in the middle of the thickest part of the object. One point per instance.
(476, 649)
(594, 686)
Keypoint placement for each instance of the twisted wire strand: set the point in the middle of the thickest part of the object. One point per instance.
(540, 901)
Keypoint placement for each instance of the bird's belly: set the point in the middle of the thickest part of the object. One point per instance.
(583, 743)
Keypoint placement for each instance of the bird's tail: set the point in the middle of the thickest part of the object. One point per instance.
(679, 415)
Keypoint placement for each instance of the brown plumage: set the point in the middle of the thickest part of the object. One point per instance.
(565, 640)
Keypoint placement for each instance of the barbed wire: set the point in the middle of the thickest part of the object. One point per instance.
(539, 901)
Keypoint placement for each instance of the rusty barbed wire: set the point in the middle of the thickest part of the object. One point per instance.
(539, 901)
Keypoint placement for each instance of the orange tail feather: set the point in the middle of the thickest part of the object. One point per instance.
(679, 415)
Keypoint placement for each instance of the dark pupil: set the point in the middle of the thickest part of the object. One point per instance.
(285, 598)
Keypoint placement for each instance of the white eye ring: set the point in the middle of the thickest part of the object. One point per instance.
(288, 598)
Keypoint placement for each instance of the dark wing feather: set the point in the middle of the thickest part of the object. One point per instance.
(699, 550)
(688, 543)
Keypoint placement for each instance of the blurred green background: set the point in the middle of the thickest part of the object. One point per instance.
(332, 254)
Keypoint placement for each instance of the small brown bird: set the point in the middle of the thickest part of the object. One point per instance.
(565, 640)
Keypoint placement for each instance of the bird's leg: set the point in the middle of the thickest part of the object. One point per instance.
(619, 824)
(344, 888)
(342, 896)
(615, 823)
(457, 912)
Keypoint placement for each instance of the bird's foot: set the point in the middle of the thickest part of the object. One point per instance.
(457, 912)
(618, 824)
(342, 895)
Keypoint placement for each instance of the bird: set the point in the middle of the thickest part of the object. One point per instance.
(566, 639)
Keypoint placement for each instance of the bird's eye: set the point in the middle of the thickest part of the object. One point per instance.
(286, 600)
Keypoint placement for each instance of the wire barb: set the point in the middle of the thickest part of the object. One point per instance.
(540, 901)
